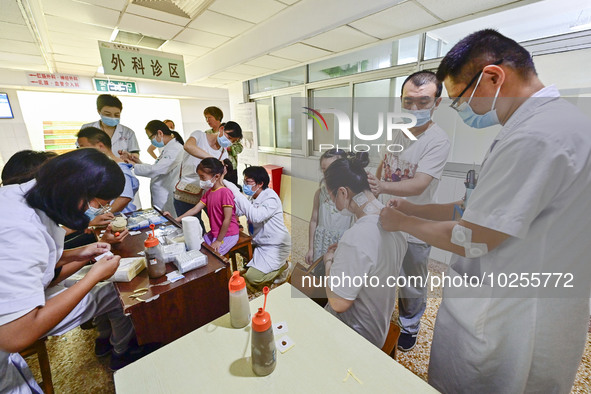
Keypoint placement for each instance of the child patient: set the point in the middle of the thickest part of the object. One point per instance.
(219, 201)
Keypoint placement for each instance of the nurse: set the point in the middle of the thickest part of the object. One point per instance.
(165, 171)
(525, 335)
(32, 247)
(270, 237)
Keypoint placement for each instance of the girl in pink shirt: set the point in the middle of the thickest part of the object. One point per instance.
(219, 201)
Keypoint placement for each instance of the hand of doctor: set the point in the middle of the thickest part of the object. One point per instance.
(128, 157)
(111, 238)
(91, 251)
(102, 220)
(374, 184)
(401, 205)
(104, 268)
(391, 219)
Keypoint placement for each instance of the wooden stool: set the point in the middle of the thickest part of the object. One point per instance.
(391, 340)
(39, 348)
(243, 245)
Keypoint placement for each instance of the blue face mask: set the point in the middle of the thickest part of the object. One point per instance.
(224, 142)
(247, 189)
(156, 143)
(112, 122)
(92, 212)
(475, 120)
(422, 115)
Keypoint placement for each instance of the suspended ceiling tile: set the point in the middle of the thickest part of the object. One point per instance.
(77, 69)
(81, 12)
(182, 48)
(249, 70)
(11, 12)
(71, 40)
(451, 9)
(39, 67)
(20, 58)
(288, 2)
(300, 52)
(85, 50)
(157, 15)
(251, 11)
(211, 82)
(397, 20)
(230, 76)
(340, 39)
(77, 59)
(221, 24)
(76, 29)
(118, 5)
(26, 48)
(149, 27)
(12, 31)
(272, 62)
(201, 38)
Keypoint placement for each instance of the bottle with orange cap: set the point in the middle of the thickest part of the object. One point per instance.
(239, 307)
(263, 352)
(153, 250)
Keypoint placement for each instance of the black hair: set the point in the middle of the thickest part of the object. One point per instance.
(329, 154)
(108, 100)
(257, 174)
(349, 172)
(233, 129)
(479, 49)
(65, 185)
(95, 135)
(215, 112)
(213, 166)
(154, 125)
(424, 77)
(23, 165)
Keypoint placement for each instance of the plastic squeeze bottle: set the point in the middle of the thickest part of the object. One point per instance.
(239, 307)
(264, 354)
(153, 250)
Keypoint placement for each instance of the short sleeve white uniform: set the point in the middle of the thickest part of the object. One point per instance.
(164, 174)
(365, 250)
(190, 163)
(535, 185)
(428, 155)
(123, 138)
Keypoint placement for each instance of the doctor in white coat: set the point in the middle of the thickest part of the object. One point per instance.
(164, 172)
(524, 330)
(270, 236)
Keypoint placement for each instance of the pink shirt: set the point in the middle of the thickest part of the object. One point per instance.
(215, 201)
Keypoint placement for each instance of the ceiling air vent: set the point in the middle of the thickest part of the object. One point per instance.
(136, 39)
(185, 8)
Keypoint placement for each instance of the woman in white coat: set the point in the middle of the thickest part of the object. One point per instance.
(165, 171)
(270, 236)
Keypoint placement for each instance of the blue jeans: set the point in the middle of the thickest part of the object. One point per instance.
(181, 207)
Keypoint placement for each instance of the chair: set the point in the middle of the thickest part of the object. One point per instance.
(391, 340)
(40, 349)
(301, 276)
(244, 247)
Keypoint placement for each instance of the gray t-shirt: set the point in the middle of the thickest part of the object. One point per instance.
(365, 250)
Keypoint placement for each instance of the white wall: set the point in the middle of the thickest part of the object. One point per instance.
(13, 132)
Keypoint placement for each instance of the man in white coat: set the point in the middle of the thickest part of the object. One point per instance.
(524, 329)
(270, 236)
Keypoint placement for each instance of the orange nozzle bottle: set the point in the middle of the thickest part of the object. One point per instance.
(236, 282)
(152, 240)
(261, 321)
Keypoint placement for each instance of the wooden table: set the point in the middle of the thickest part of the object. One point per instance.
(177, 308)
(216, 358)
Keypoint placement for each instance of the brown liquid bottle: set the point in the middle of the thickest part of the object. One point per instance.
(154, 260)
(263, 352)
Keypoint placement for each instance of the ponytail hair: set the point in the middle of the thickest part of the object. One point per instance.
(348, 172)
(213, 166)
(154, 125)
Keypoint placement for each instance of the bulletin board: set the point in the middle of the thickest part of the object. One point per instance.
(59, 136)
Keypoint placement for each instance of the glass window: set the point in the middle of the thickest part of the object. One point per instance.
(338, 98)
(295, 76)
(265, 122)
(377, 57)
(287, 125)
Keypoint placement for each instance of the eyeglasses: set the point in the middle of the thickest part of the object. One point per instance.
(456, 103)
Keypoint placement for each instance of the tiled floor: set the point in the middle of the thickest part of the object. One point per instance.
(75, 369)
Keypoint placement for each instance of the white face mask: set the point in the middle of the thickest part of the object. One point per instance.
(206, 185)
(423, 115)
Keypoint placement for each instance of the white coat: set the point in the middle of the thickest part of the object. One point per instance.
(270, 236)
(534, 186)
(164, 173)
